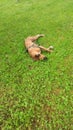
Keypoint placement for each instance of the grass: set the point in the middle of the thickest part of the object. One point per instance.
(36, 95)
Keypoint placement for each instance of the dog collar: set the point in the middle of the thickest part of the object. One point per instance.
(33, 45)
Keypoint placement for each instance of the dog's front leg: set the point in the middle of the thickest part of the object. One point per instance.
(46, 49)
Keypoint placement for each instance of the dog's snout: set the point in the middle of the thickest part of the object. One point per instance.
(45, 58)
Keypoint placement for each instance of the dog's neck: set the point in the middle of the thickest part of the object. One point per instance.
(31, 46)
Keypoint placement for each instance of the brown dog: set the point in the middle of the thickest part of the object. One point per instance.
(34, 50)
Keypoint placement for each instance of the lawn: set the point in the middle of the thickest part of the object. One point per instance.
(36, 95)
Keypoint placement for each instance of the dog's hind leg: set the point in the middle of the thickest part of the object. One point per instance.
(34, 38)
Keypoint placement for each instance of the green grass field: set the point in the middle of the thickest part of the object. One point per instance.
(36, 95)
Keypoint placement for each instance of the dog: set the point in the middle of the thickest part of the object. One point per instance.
(34, 50)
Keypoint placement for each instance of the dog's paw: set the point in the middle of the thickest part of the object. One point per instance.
(41, 35)
(51, 48)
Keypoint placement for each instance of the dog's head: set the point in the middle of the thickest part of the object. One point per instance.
(40, 57)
